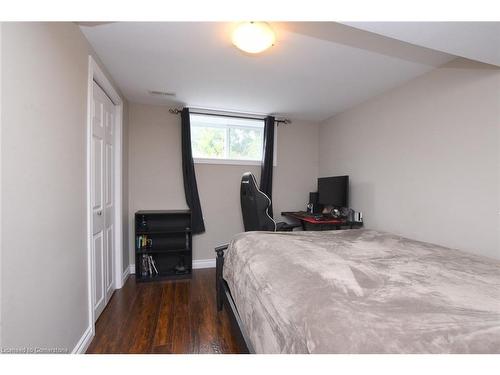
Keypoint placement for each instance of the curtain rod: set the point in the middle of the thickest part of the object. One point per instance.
(176, 111)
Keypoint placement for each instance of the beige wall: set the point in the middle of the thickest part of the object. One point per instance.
(156, 176)
(43, 173)
(424, 158)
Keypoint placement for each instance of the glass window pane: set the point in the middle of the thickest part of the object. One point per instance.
(207, 142)
(223, 137)
(245, 143)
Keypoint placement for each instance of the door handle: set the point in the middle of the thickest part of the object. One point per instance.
(99, 213)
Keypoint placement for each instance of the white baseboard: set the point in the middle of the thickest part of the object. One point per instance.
(84, 342)
(203, 263)
(125, 275)
(197, 264)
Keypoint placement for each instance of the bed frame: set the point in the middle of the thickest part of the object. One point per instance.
(224, 298)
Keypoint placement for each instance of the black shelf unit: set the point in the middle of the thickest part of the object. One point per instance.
(165, 236)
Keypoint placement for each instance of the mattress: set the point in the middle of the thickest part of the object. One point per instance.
(362, 291)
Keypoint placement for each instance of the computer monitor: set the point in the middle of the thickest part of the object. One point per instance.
(333, 191)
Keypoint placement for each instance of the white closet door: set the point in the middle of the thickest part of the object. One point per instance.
(102, 199)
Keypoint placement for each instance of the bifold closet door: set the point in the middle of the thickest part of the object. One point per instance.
(102, 172)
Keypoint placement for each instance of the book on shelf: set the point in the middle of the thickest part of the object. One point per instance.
(143, 241)
(148, 266)
(153, 264)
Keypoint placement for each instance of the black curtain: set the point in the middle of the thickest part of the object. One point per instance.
(266, 175)
(190, 186)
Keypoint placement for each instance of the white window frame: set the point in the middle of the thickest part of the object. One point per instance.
(239, 161)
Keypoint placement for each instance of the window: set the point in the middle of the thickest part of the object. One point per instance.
(226, 139)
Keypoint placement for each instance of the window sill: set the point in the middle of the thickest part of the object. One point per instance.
(226, 161)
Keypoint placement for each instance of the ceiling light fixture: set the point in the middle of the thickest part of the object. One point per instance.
(253, 37)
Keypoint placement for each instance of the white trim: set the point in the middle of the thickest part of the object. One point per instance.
(203, 263)
(101, 79)
(131, 269)
(226, 161)
(125, 275)
(96, 74)
(118, 187)
(84, 342)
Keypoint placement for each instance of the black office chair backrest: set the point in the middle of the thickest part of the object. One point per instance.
(254, 205)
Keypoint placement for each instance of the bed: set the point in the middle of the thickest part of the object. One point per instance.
(357, 291)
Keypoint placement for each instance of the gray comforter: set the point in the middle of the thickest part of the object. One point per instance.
(362, 291)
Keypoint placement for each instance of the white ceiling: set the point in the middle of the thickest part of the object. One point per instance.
(314, 71)
(474, 40)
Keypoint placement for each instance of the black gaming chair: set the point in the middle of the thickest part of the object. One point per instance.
(254, 205)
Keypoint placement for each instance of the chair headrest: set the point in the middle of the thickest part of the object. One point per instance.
(249, 178)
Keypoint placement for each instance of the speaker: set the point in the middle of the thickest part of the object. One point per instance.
(315, 207)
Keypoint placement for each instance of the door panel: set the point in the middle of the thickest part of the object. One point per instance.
(99, 295)
(109, 196)
(97, 165)
(109, 262)
(109, 175)
(97, 172)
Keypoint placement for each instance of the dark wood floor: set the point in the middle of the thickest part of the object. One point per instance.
(165, 317)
